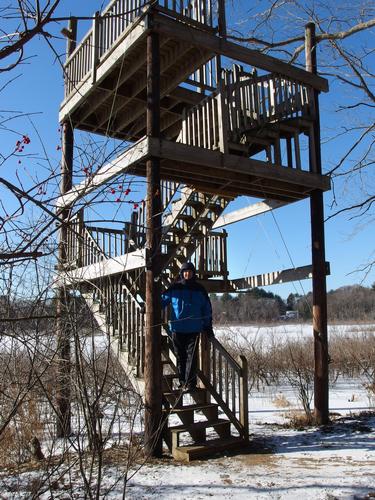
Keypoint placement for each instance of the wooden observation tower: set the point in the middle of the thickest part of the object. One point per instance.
(204, 120)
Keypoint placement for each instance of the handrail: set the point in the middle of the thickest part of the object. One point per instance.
(240, 106)
(226, 381)
(268, 98)
(125, 317)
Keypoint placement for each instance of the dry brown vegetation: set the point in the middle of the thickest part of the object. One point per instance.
(281, 361)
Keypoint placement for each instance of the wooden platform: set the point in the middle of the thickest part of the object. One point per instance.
(107, 94)
(207, 171)
(113, 101)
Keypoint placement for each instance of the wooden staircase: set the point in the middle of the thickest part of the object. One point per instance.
(199, 423)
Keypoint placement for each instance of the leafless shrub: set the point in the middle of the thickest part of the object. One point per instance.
(292, 361)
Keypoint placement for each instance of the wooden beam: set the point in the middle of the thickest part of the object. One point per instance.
(274, 278)
(232, 50)
(153, 367)
(245, 213)
(63, 327)
(222, 182)
(260, 280)
(319, 286)
(207, 167)
(108, 267)
(106, 173)
(232, 163)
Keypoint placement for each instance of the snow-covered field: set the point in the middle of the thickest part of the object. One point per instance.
(279, 334)
(336, 462)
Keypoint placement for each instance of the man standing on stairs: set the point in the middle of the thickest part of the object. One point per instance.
(191, 314)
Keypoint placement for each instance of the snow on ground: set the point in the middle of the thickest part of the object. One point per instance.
(277, 334)
(335, 462)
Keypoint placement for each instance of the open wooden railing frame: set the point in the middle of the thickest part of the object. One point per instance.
(243, 105)
(210, 257)
(125, 317)
(254, 101)
(227, 382)
(109, 27)
(88, 244)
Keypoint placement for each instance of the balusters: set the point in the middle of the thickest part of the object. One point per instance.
(228, 380)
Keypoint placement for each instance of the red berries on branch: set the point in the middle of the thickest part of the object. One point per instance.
(20, 144)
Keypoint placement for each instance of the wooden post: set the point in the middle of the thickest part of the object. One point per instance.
(222, 23)
(321, 357)
(63, 396)
(79, 236)
(204, 358)
(244, 397)
(95, 46)
(152, 372)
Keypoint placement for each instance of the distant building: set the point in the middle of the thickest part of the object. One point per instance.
(289, 315)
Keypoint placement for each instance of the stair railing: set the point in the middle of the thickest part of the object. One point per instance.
(226, 381)
(125, 318)
(257, 100)
(199, 11)
(201, 124)
(243, 105)
(210, 258)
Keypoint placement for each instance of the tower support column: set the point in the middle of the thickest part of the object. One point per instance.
(63, 327)
(153, 368)
(319, 287)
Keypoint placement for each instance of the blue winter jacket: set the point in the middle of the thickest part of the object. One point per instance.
(191, 310)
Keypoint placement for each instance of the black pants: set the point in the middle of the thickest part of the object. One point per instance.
(186, 351)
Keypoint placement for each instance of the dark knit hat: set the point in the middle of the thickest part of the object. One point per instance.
(187, 266)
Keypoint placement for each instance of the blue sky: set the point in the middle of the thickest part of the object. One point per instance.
(266, 243)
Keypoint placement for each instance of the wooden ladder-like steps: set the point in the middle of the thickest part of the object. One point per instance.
(197, 431)
(197, 451)
(202, 438)
(187, 413)
(175, 398)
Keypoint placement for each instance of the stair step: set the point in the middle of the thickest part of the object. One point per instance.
(209, 410)
(210, 448)
(215, 207)
(178, 231)
(194, 203)
(197, 431)
(167, 381)
(176, 397)
(189, 219)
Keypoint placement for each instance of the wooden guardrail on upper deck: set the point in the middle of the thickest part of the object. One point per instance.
(110, 25)
(242, 105)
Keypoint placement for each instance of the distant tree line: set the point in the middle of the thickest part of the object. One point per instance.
(348, 303)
